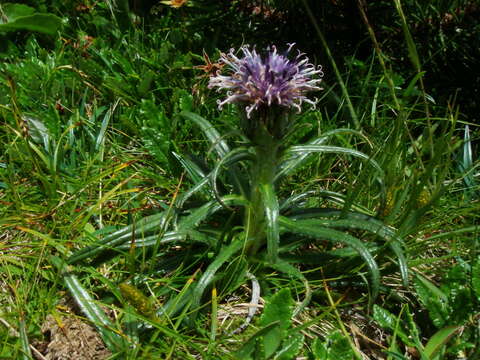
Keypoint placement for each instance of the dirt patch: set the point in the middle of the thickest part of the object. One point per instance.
(70, 337)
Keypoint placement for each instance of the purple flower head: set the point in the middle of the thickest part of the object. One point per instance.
(272, 80)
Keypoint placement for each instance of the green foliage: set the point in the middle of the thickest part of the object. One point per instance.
(407, 331)
(276, 339)
(455, 300)
(450, 308)
(262, 225)
(15, 17)
(121, 183)
(336, 346)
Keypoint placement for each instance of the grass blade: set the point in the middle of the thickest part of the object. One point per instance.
(26, 352)
(224, 255)
(144, 226)
(338, 75)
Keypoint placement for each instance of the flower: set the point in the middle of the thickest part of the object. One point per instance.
(174, 3)
(272, 80)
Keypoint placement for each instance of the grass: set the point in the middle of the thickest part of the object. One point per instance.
(96, 141)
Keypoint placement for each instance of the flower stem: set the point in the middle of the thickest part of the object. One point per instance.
(262, 172)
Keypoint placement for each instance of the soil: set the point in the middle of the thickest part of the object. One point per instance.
(70, 337)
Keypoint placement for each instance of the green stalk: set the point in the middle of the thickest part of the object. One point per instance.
(262, 173)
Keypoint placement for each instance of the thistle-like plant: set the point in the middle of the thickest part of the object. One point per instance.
(242, 186)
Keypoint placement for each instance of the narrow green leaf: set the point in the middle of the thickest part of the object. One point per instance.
(413, 332)
(270, 203)
(467, 149)
(26, 352)
(363, 222)
(12, 11)
(171, 236)
(356, 220)
(476, 279)
(293, 161)
(194, 171)
(466, 164)
(224, 255)
(151, 230)
(100, 138)
(53, 243)
(41, 154)
(305, 227)
(38, 132)
(402, 261)
(310, 149)
(433, 299)
(433, 290)
(93, 312)
(345, 95)
(140, 229)
(232, 157)
(412, 49)
(198, 215)
(123, 16)
(296, 199)
(194, 189)
(447, 234)
(178, 302)
(219, 145)
(210, 132)
(384, 318)
(411, 86)
(396, 355)
(439, 339)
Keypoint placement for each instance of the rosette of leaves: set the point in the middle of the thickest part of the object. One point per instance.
(231, 221)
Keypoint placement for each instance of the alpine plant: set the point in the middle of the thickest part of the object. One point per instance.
(273, 80)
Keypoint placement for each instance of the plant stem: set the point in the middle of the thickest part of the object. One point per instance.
(263, 172)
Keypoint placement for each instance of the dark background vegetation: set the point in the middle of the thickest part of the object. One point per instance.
(446, 35)
(147, 58)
